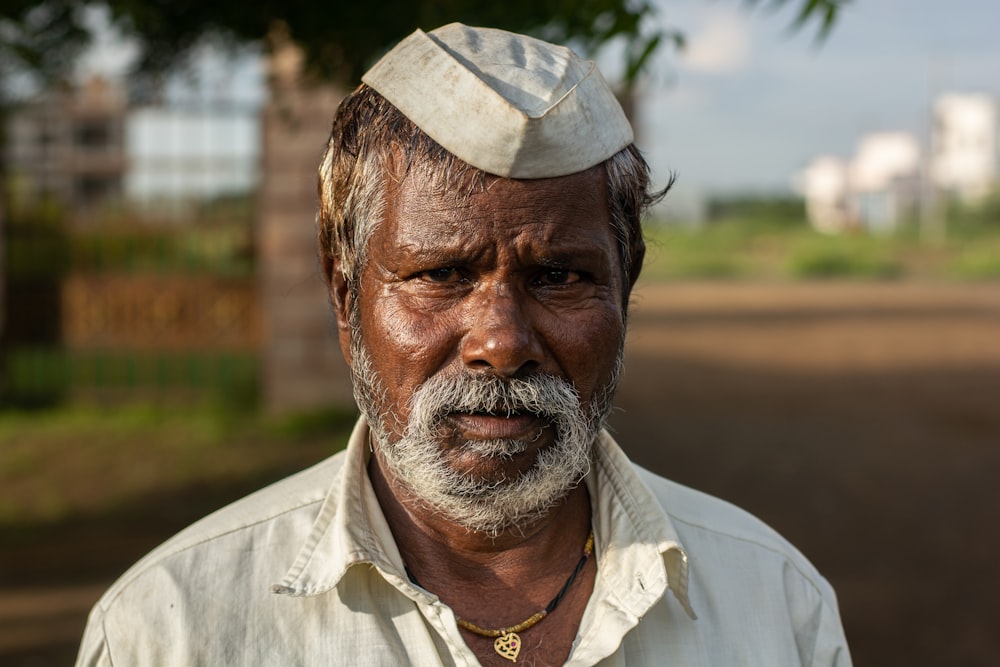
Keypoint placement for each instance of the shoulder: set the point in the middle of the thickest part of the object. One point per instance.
(748, 579)
(283, 511)
(713, 529)
(701, 511)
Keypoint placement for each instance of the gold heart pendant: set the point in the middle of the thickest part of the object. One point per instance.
(508, 646)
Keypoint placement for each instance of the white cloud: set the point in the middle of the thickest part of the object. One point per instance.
(720, 45)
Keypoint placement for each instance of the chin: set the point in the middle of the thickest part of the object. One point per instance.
(499, 494)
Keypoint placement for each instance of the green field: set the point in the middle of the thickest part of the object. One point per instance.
(69, 463)
(762, 249)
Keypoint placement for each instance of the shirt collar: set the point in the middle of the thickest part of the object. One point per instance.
(634, 533)
(634, 537)
(349, 530)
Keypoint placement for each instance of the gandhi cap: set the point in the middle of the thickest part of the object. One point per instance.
(511, 105)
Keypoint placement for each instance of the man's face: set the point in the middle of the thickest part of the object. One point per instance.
(489, 331)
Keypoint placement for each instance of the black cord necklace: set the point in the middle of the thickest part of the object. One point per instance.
(508, 642)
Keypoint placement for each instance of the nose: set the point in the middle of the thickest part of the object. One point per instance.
(500, 335)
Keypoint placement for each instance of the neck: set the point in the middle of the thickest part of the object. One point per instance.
(429, 541)
(501, 582)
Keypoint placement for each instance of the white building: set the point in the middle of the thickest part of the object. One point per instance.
(888, 176)
(825, 186)
(68, 144)
(884, 179)
(964, 143)
(879, 185)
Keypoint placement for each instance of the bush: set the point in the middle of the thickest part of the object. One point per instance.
(37, 259)
(770, 212)
(979, 263)
(839, 258)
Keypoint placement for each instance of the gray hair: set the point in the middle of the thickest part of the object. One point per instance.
(373, 144)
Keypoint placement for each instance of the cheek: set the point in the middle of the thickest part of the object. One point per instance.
(406, 345)
(587, 346)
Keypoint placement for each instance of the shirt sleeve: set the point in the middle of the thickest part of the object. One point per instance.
(94, 646)
(830, 647)
(819, 634)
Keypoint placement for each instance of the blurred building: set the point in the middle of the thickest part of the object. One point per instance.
(890, 177)
(964, 144)
(69, 144)
(88, 149)
(884, 179)
(824, 185)
(874, 191)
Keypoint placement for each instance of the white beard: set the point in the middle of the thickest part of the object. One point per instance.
(487, 506)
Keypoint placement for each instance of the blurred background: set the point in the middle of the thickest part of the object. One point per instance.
(816, 336)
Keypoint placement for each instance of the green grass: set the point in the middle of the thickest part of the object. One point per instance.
(85, 461)
(852, 257)
(48, 375)
(757, 249)
(980, 260)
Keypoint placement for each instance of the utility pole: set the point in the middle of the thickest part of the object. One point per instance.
(933, 203)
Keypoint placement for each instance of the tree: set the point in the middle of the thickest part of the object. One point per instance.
(340, 39)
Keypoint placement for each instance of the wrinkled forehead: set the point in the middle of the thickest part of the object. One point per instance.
(563, 219)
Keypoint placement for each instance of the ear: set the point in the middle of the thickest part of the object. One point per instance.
(340, 299)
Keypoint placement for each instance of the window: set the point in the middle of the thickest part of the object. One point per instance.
(93, 135)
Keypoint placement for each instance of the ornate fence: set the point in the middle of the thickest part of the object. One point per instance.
(166, 314)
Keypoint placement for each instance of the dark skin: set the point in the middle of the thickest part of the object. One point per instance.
(521, 278)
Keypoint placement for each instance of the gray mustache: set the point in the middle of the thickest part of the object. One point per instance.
(540, 395)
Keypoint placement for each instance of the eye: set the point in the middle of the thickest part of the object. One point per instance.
(448, 274)
(559, 277)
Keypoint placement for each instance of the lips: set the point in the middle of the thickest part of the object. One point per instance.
(486, 426)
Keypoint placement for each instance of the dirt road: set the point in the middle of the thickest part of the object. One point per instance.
(862, 421)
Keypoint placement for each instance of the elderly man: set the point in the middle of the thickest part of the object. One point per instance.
(479, 231)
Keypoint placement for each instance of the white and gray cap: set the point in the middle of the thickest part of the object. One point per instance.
(511, 105)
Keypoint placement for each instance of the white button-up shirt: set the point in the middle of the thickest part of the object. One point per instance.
(306, 572)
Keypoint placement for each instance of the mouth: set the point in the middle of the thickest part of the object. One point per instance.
(498, 426)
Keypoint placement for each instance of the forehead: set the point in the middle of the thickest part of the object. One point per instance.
(563, 210)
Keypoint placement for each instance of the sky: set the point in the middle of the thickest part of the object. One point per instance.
(748, 104)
